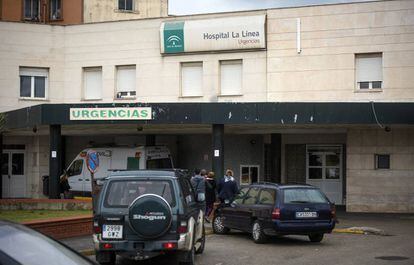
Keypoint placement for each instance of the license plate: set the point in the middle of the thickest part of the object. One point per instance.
(306, 214)
(112, 231)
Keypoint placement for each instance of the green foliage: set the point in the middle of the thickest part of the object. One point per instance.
(30, 215)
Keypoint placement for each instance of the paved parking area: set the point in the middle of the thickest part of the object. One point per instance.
(238, 249)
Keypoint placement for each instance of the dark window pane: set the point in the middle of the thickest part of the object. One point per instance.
(25, 85)
(363, 85)
(251, 197)
(17, 164)
(123, 193)
(39, 91)
(376, 84)
(332, 160)
(121, 4)
(315, 173)
(128, 5)
(27, 8)
(383, 161)
(254, 174)
(315, 160)
(5, 164)
(159, 163)
(240, 197)
(55, 12)
(267, 196)
(76, 168)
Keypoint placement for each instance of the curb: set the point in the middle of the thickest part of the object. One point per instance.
(87, 252)
(348, 231)
(361, 231)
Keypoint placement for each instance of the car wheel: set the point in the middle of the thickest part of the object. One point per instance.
(202, 242)
(258, 234)
(188, 257)
(218, 226)
(316, 237)
(105, 258)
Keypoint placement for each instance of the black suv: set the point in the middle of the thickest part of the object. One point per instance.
(266, 209)
(142, 214)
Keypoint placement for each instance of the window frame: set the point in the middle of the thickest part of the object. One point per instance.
(33, 72)
(84, 88)
(50, 11)
(230, 62)
(376, 161)
(189, 64)
(250, 177)
(370, 87)
(132, 93)
(31, 18)
(126, 10)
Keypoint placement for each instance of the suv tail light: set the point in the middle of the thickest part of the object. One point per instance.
(96, 228)
(169, 245)
(333, 211)
(182, 228)
(276, 214)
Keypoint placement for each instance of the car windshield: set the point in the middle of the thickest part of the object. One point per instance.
(32, 248)
(121, 193)
(301, 195)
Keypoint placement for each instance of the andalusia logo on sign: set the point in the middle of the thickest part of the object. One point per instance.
(174, 37)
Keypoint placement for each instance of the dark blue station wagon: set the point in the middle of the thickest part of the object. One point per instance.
(268, 209)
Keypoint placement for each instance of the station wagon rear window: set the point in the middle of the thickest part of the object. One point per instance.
(303, 196)
(123, 192)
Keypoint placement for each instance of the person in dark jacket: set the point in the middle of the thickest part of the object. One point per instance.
(210, 194)
(227, 188)
(64, 187)
(199, 184)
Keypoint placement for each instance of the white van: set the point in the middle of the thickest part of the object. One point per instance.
(115, 158)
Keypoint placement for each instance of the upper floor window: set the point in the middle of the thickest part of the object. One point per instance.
(368, 71)
(231, 77)
(33, 82)
(192, 79)
(125, 81)
(32, 9)
(55, 9)
(126, 5)
(92, 83)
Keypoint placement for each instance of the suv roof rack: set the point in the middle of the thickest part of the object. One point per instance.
(266, 183)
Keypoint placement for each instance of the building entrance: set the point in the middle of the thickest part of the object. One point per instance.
(13, 174)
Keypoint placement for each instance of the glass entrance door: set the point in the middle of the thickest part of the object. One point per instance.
(13, 174)
(324, 170)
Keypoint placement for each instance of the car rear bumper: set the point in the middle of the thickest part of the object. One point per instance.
(142, 249)
(302, 227)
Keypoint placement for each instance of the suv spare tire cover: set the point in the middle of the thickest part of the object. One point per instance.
(150, 216)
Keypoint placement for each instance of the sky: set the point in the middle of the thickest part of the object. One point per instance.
(186, 7)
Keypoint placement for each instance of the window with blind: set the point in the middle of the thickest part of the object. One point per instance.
(231, 77)
(368, 71)
(92, 83)
(125, 81)
(192, 79)
(33, 82)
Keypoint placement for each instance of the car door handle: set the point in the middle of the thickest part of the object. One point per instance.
(87, 179)
(80, 179)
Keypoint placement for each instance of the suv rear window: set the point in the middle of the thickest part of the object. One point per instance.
(121, 193)
(303, 196)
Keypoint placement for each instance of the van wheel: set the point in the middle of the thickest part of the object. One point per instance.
(258, 234)
(218, 226)
(105, 258)
(316, 237)
(188, 257)
(202, 242)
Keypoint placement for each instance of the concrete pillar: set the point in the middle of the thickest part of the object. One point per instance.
(276, 167)
(55, 160)
(149, 140)
(218, 149)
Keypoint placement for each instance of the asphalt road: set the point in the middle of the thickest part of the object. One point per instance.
(237, 249)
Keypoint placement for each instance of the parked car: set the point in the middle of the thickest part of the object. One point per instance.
(267, 209)
(21, 245)
(142, 214)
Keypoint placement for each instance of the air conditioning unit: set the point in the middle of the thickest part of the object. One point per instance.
(126, 94)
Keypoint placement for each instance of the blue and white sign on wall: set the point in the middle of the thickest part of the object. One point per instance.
(92, 161)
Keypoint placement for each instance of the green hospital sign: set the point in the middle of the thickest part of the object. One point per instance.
(138, 113)
(174, 37)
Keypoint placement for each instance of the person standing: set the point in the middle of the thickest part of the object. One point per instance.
(227, 187)
(210, 194)
(64, 187)
(199, 185)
